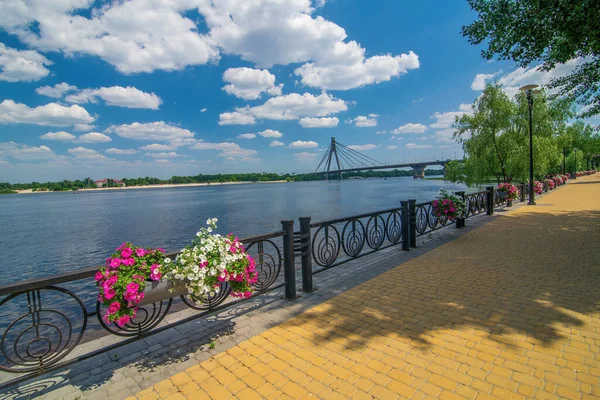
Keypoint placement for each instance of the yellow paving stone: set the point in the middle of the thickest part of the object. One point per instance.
(148, 396)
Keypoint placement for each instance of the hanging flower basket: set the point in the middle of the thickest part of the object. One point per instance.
(162, 290)
(507, 191)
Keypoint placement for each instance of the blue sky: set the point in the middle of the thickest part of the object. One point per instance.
(149, 88)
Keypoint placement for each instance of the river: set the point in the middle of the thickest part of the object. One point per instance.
(45, 233)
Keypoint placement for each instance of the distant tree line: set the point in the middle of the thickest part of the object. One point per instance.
(86, 183)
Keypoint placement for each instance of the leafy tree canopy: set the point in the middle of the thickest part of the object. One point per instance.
(549, 31)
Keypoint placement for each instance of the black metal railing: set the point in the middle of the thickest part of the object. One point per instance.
(43, 320)
(337, 241)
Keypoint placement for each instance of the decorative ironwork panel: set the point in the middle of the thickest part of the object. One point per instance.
(267, 257)
(394, 227)
(353, 236)
(42, 326)
(326, 245)
(147, 317)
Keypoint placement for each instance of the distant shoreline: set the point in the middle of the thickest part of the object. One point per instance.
(161, 186)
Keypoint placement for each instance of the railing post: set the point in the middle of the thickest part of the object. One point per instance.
(289, 269)
(405, 226)
(412, 222)
(490, 200)
(546, 186)
(522, 189)
(306, 251)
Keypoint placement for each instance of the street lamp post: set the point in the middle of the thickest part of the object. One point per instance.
(564, 160)
(529, 90)
(575, 172)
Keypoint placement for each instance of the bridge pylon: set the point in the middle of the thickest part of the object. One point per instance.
(343, 157)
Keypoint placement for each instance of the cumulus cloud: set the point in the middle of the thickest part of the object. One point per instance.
(52, 114)
(246, 136)
(83, 127)
(300, 144)
(86, 154)
(418, 146)
(204, 110)
(362, 147)
(23, 152)
(57, 91)
(162, 155)
(276, 143)
(121, 151)
(481, 80)
(158, 147)
(446, 119)
(305, 156)
(22, 65)
(129, 97)
(240, 117)
(326, 122)
(61, 136)
(227, 149)
(410, 128)
(157, 131)
(392, 147)
(270, 133)
(250, 84)
(363, 121)
(93, 137)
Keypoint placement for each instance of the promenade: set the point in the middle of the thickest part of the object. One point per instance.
(508, 310)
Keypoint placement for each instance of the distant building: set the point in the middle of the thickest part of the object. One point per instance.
(102, 182)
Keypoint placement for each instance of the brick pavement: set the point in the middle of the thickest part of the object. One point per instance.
(509, 310)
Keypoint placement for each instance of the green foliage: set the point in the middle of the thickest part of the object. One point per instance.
(551, 32)
(496, 138)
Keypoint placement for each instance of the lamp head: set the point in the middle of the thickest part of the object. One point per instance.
(527, 88)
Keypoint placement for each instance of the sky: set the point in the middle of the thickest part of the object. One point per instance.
(113, 89)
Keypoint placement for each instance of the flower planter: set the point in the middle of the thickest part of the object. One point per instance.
(502, 195)
(509, 203)
(156, 291)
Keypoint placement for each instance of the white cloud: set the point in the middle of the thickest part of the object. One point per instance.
(364, 121)
(270, 133)
(392, 147)
(159, 37)
(353, 70)
(204, 110)
(305, 156)
(158, 147)
(420, 99)
(57, 91)
(162, 155)
(276, 143)
(381, 132)
(93, 137)
(246, 136)
(295, 106)
(158, 131)
(83, 127)
(227, 149)
(23, 152)
(86, 154)
(418, 146)
(250, 84)
(162, 161)
(129, 97)
(481, 80)
(51, 114)
(299, 144)
(121, 151)
(446, 119)
(444, 135)
(410, 128)
(327, 122)
(22, 65)
(362, 147)
(59, 136)
(240, 117)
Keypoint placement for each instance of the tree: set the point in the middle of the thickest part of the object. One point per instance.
(550, 32)
(481, 135)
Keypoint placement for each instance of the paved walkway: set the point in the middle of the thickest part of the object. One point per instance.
(510, 310)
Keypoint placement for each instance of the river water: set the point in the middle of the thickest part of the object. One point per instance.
(45, 233)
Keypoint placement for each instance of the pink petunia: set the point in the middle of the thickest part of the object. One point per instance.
(110, 293)
(126, 252)
(128, 261)
(123, 320)
(121, 247)
(140, 252)
(115, 262)
(98, 276)
(114, 307)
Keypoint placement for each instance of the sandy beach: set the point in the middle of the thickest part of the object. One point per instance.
(165, 186)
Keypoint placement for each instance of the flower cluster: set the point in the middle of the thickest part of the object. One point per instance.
(511, 191)
(551, 184)
(449, 205)
(538, 187)
(210, 260)
(123, 278)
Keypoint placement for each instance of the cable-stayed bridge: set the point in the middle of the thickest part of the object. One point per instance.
(339, 158)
